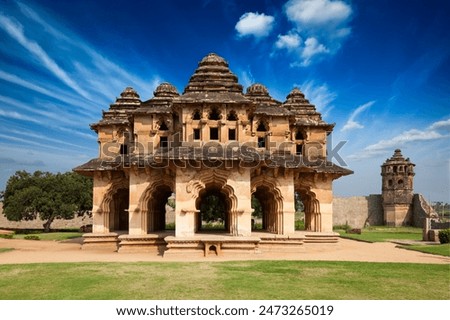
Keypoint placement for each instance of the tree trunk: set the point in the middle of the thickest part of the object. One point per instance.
(47, 224)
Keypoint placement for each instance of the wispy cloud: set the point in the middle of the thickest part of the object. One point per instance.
(351, 122)
(431, 133)
(254, 24)
(15, 30)
(320, 95)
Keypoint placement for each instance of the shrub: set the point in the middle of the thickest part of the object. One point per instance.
(344, 227)
(444, 236)
(6, 236)
(299, 225)
(32, 237)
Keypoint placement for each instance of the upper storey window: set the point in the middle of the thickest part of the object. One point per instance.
(196, 115)
(299, 136)
(262, 127)
(232, 116)
(163, 126)
(214, 114)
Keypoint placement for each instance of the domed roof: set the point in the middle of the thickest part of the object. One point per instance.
(304, 111)
(213, 75)
(257, 89)
(129, 98)
(397, 158)
(165, 89)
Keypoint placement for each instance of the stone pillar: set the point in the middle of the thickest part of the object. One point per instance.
(185, 210)
(138, 185)
(287, 223)
(100, 217)
(324, 194)
(240, 182)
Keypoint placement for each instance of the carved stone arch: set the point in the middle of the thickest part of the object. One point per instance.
(266, 189)
(216, 180)
(311, 205)
(262, 125)
(164, 123)
(215, 113)
(151, 197)
(205, 177)
(108, 202)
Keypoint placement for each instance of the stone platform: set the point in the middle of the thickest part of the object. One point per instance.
(206, 244)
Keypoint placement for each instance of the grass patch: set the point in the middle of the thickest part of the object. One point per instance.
(280, 280)
(6, 249)
(382, 234)
(438, 249)
(51, 236)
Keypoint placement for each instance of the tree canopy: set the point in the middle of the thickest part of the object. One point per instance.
(46, 195)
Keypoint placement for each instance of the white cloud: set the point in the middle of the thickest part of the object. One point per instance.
(318, 13)
(288, 41)
(444, 124)
(351, 123)
(311, 49)
(254, 24)
(431, 133)
(15, 30)
(324, 25)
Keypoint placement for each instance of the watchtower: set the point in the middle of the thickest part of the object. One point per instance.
(397, 190)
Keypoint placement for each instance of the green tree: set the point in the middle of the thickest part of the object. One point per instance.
(212, 208)
(46, 195)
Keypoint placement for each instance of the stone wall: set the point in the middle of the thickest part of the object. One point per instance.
(421, 209)
(358, 211)
(37, 224)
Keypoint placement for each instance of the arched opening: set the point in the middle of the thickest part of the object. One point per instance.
(311, 211)
(118, 211)
(196, 115)
(214, 114)
(232, 116)
(160, 209)
(299, 135)
(261, 127)
(163, 126)
(266, 207)
(214, 207)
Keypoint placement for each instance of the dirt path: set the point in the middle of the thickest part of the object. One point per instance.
(27, 251)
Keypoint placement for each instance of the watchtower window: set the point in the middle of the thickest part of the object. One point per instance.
(395, 169)
(261, 127)
(261, 142)
(299, 149)
(232, 116)
(163, 142)
(390, 183)
(299, 136)
(231, 134)
(123, 149)
(196, 134)
(214, 133)
(214, 115)
(196, 115)
(163, 126)
(400, 182)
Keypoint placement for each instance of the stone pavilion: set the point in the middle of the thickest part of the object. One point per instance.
(212, 139)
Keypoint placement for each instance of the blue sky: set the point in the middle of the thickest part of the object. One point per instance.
(379, 69)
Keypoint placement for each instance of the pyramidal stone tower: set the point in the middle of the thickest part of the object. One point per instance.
(397, 189)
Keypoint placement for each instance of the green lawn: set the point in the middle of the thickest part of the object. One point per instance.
(5, 249)
(381, 234)
(51, 236)
(278, 280)
(439, 249)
